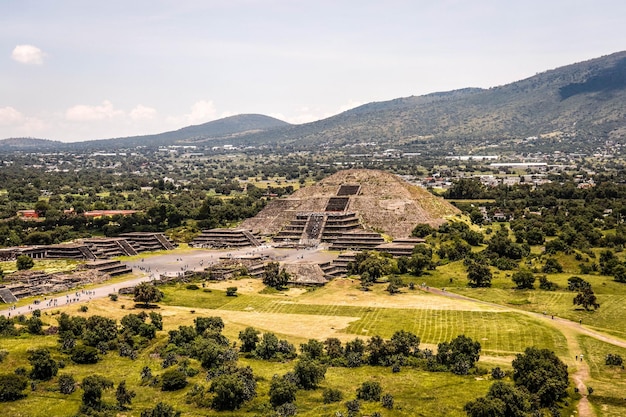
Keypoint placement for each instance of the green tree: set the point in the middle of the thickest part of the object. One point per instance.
(282, 391)
(460, 354)
(161, 410)
(524, 280)
(67, 384)
(44, 367)
(93, 386)
(309, 373)
(11, 387)
(24, 262)
(173, 380)
(275, 277)
(422, 230)
(542, 373)
(479, 275)
(249, 338)
(552, 266)
(146, 293)
(485, 407)
(587, 299)
(123, 395)
(369, 391)
(313, 349)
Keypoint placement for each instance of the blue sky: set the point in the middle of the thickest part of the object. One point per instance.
(80, 69)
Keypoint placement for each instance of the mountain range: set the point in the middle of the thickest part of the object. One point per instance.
(576, 105)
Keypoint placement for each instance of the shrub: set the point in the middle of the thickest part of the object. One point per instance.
(369, 391)
(11, 387)
(113, 297)
(173, 380)
(331, 395)
(84, 355)
(161, 410)
(387, 401)
(231, 291)
(497, 373)
(192, 287)
(612, 359)
(67, 384)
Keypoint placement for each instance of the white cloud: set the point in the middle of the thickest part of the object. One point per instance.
(201, 112)
(141, 112)
(28, 54)
(85, 113)
(9, 116)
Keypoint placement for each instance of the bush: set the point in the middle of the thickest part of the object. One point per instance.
(497, 373)
(614, 360)
(231, 291)
(24, 262)
(282, 391)
(11, 387)
(67, 384)
(192, 287)
(83, 309)
(369, 391)
(84, 355)
(331, 395)
(173, 380)
(161, 410)
(387, 401)
(113, 297)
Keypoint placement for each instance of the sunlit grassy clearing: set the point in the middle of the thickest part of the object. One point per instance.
(499, 332)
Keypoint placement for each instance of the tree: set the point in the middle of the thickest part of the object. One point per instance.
(11, 387)
(24, 262)
(67, 384)
(552, 266)
(212, 324)
(404, 343)
(85, 355)
(613, 360)
(459, 355)
(485, 407)
(577, 284)
(274, 277)
(233, 388)
(231, 291)
(249, 338)
(387, 401)
(331, 395)
(422, 230)
(44, 367)
(587, 299)
(99, 331)
(478, 275)
(173, 380)
(313, 349)
(524, 280)
(93, 386)
(124, 396)
(309, 373)
(542, 373)
(146, 293)
(395, 283)
(282, 391)
(369, 391)
(161, 410)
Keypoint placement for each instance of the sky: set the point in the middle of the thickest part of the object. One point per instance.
(74, 70)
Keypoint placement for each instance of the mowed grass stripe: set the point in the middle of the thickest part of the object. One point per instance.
(497, 331)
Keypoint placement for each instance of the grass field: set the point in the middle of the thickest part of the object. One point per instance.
(341, 310)
(608, 396)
